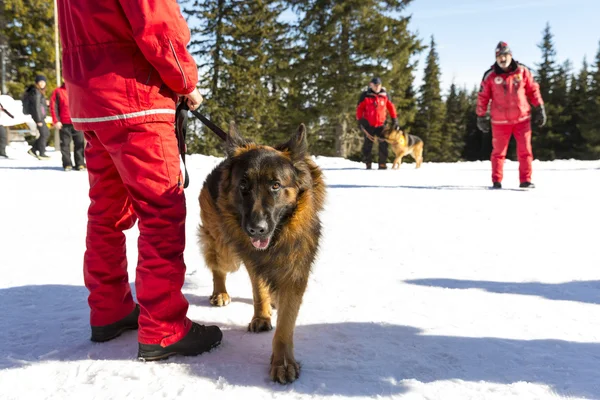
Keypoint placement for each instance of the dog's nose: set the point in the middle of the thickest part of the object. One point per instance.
(257, 228)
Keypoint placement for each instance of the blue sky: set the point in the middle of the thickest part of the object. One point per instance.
(467, 31)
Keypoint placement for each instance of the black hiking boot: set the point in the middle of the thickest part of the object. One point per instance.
(497, 185)
(368, 165)
(382, 166)
(108, 332)
(199, 339)
(527, 185)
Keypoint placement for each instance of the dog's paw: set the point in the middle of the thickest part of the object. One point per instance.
(259, 324)
(284, 371)
(220, 299)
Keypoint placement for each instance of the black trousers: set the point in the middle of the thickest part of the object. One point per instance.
(368, 145)
(68, 133)
(42, 141)
(3, 141)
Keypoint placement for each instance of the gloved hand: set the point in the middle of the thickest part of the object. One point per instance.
(483, 124)
(395, 124)
(539, 116)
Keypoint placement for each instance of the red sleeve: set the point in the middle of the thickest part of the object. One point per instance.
(53, 100)
(532, 89)
(162, 35)
(360, 110)
(484, 96)
(391, 108)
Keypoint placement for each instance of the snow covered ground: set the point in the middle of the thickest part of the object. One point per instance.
(428, 286)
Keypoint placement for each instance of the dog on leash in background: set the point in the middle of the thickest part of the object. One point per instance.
(403, 144)
(260, 207)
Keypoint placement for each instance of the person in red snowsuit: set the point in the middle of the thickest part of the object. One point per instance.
(371, 115)
(61, 119)
(511, 88)
(125, 64)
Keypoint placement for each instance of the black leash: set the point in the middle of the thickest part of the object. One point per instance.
(218, 131)
(6, 111)
(181, 120)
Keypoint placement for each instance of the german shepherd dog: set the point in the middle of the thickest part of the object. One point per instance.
(260, 207)
(403, 144)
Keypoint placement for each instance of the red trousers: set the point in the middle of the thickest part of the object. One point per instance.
(500, 138)
(135, 174)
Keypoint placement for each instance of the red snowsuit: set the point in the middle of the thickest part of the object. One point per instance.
(372, 107)
(510, 93)
(124, 61)
(59, 107)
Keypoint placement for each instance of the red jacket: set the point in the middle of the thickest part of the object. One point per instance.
(124, 60)
(372, 107)
(510, 93)
(59, 106)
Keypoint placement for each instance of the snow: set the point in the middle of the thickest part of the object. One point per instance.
(428, 286)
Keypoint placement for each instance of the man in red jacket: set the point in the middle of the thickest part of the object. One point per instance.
(125, 64)
(61, 118)
(510, 87)
(371, 115)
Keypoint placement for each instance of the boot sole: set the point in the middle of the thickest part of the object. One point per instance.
(163, 356)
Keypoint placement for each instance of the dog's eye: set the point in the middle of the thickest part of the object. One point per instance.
(275, 186)
(244, 185)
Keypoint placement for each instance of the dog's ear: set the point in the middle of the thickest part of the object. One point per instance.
(234, 140)
(297, 145)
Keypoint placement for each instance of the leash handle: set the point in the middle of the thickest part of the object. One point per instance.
(181, 120)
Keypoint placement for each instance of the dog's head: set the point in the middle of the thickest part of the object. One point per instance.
(265, 183)
(396, 136)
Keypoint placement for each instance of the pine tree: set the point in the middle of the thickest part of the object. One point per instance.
(546, 140)
(577, 103)
(241, 48)
(28, 30)
(344, 45)
(431, 112)
(453, 127)
(477, 145)
(590, 126)
(562, 143)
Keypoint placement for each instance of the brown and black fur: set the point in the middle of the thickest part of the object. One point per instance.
(403, 144)
(281, 190)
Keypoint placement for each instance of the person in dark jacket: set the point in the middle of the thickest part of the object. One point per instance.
(3, 142)
(371, 115)
(34, 96)
(61, 119)
(510, 88)
(3, 138)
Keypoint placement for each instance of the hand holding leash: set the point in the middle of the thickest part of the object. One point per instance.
(193, 99)
(369, 136)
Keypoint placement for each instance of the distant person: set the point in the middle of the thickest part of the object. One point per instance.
(34, 104)
(3, 138)
(510, 87)
(371, 115)
(126, 63)
(61, 118)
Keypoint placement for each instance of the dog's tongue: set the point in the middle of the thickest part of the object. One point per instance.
(260, 244)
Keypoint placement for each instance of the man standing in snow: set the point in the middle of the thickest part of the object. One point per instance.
(371, 115)
(35, 104)
(61, 118)
(3, 138)
(125, 64)
(511, 88)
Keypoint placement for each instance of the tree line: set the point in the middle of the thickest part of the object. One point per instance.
(273, 64)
